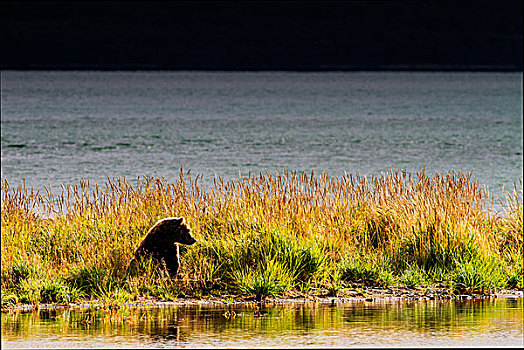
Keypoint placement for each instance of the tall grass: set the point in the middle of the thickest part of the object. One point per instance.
(269, 234)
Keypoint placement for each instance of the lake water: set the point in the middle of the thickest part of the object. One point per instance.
(466, 323)
(60, 127)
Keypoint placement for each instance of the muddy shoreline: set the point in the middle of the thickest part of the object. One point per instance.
(372, 295)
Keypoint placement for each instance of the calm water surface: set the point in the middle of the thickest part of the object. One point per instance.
(60, 127)
(476, 323)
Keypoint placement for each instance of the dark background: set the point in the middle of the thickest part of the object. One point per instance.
(262, 35)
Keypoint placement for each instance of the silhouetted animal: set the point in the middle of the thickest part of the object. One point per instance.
(161, 244)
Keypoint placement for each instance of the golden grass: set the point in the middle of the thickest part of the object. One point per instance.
(430, 221)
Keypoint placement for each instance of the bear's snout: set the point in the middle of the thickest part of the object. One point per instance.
(188, 239)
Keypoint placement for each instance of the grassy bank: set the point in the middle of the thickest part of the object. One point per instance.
(261, 236)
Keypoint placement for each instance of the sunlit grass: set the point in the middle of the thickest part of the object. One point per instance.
(262, 235)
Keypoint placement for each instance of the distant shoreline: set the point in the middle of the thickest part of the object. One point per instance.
(257, 68)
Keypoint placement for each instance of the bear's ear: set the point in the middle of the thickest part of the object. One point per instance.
(178, 221)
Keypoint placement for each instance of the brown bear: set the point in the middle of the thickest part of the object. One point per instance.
(161, 244)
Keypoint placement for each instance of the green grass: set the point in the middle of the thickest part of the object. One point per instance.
(260, 236)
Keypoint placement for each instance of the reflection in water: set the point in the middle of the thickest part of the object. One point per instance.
(484, 322)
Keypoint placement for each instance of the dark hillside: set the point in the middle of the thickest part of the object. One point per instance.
(244, 35)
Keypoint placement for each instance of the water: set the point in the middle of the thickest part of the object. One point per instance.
(471, 323)
(60, 127)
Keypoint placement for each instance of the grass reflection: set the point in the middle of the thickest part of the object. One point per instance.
(211, 325)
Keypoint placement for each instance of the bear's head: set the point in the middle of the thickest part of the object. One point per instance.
(179, 229)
